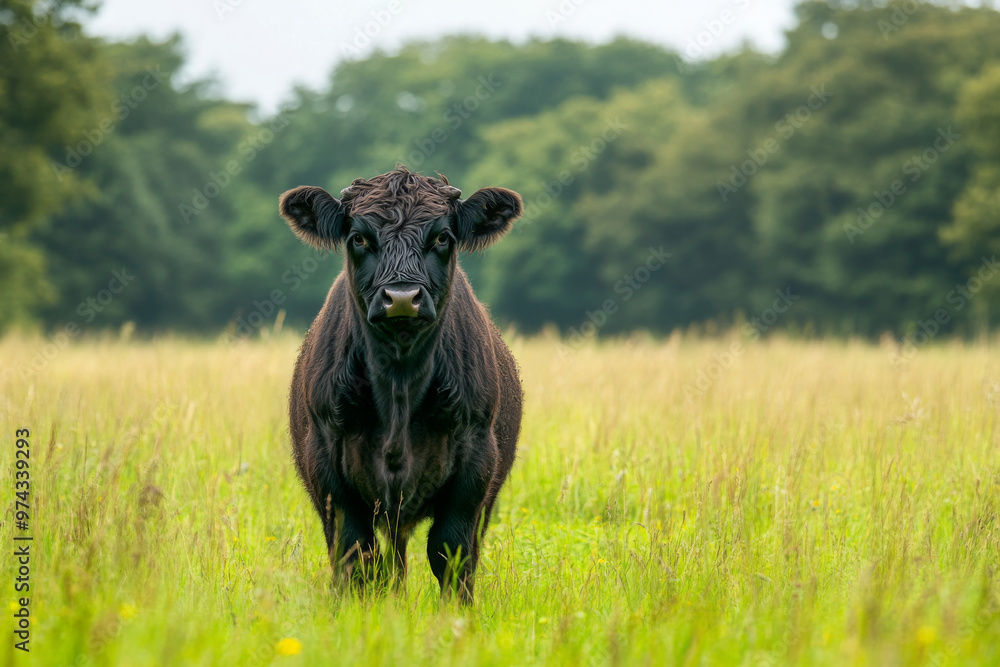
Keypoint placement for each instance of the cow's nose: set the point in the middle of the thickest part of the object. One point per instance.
(401, 303)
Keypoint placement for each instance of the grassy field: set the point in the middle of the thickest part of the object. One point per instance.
(814, 503)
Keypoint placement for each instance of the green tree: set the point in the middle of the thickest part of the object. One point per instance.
(52, 85)
(857, 168)
(158, 208)
(849, 209)
(975, 229)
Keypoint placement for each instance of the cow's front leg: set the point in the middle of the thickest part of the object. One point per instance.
(350, 541)
(453, 540)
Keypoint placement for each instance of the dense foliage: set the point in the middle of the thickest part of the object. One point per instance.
(848, 184)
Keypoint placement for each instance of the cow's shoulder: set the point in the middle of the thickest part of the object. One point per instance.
(465, 364)
(330, 373)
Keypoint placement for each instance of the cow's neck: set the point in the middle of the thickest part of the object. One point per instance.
(400, 377)
(398, 384)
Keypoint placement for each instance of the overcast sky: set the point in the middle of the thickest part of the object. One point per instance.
(259, 49)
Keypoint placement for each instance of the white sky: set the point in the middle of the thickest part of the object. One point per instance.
(259, 49)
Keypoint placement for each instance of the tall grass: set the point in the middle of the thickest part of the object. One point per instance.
(810, 503)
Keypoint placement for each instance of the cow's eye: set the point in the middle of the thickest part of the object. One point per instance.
(443, 240)
(359, 241)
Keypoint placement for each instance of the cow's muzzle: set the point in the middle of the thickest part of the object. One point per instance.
(399, 301)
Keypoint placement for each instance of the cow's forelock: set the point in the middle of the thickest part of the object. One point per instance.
(400, 260)
(400, 197)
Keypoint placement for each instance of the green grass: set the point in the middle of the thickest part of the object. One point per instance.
(818, 504)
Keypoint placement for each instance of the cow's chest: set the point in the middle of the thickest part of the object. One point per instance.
(398, 464)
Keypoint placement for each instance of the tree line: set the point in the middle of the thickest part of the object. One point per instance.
(854, 177)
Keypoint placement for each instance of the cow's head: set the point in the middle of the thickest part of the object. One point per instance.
(402, 233)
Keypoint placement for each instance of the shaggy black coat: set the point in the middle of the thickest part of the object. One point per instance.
(395, 423)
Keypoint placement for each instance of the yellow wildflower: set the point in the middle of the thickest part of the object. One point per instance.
(288, 646)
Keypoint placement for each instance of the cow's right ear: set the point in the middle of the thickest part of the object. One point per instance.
(316, 216)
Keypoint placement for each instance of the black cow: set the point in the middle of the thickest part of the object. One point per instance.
(405, 403)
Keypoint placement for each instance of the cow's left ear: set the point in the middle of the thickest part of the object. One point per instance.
(316, 216)
(486, 216)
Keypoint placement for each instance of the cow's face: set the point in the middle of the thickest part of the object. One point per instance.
(402, 233)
